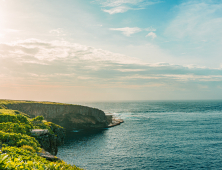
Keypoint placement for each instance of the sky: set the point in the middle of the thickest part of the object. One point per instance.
(110, 50)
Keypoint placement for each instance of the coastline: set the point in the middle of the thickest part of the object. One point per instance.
(37, 138)
(113, 121)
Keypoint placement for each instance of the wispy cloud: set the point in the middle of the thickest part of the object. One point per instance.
(46, 52)
(121, 6)
(151, 34)
(120, 9)
(50, 60)
(127, 30)
(197, 20)
(40, 64)
(197, 29)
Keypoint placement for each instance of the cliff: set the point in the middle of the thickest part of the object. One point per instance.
(24, 142)
(66, 115)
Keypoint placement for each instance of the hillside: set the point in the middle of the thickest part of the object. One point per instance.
(22, 147)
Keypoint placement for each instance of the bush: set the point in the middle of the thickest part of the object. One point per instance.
(7, 117)
(17, 139)
(38, 118)
(18, 148)
(14, 158)
(16, 127)
(29, 148)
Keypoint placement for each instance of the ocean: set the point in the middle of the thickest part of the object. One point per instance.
(155, 135)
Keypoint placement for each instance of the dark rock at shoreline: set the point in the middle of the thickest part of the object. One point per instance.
(48, 141)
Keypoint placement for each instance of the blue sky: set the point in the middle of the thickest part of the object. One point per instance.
(108, 50)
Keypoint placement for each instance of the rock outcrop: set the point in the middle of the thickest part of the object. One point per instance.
(49, 141)
(66, 115)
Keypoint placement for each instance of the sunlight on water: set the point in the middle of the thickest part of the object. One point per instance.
(155, 135)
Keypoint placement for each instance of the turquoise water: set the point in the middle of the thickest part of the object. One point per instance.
(155, 135)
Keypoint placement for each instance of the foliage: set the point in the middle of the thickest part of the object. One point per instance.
(29, 148)
(41, 125)
(8, 102)
(53, 126)
(38, 118)
(12, 116)
(18, 148)
(13, 158)
(18, 139)
(16, 127)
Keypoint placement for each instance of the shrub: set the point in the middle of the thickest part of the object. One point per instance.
(16, 127)
(9, 117)
(17, 139)
(38, 118)
(18, 148)
(19, 159)
(29, 148)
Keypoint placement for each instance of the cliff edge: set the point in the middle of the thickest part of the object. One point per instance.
(66, 115)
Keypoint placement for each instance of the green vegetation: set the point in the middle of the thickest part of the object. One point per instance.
(18, 149)
(39, 123)
(4, 103)
(14, 158)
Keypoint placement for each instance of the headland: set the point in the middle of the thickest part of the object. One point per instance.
(31, 131)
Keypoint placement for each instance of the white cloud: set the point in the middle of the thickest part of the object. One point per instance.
(152, 35)
(34, 63)
(121, 6)
(56, 50)
(127, 30)
(120, 9)
(115, 3)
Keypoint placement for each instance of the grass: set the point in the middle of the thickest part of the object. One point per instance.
(4, 102)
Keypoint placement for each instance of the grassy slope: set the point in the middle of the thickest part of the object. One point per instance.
(18, 148)
(6, 102)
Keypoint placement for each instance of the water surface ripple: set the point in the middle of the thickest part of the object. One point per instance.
(155, 135)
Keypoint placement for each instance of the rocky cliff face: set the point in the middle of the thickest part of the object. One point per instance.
(67, 116)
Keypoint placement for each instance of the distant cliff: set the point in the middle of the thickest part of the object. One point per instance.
(66, 115)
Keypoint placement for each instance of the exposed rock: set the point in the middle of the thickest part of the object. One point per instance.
(47, 142)
(109, 118)
(39, 132)
(65, 115)
(115, 122)
(60, 136)
(48, 156)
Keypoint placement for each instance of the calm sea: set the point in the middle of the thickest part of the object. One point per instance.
(155, 135)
